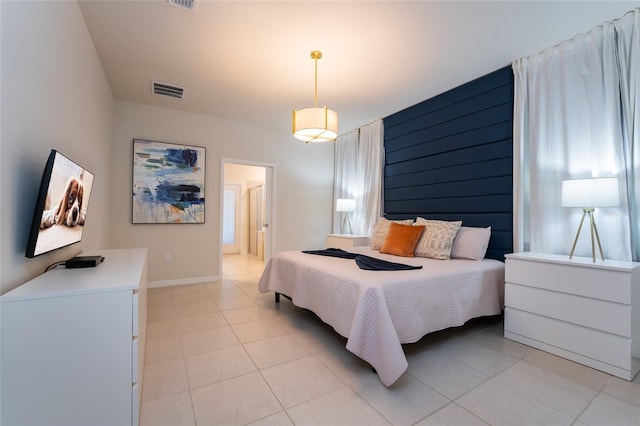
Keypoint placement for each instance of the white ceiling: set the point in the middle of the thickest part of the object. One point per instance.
(251, 61)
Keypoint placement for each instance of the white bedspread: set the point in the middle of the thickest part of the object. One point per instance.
(378, 311)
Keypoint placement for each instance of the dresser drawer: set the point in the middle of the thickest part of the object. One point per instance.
(135, 405)
(596, 283)
(597, 314)
(590, 343)
(134, 360)
(135, 330)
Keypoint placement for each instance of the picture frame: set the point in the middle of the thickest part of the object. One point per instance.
(168, 183)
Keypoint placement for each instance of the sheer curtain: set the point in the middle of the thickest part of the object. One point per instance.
(358, 174)
(568, 110)
(345, 181)
(628, 56)
(369, 195)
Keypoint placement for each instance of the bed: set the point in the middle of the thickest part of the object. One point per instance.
(378, 311)
(448, 158)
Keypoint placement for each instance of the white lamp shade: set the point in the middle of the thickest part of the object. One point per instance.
(597, 192)
(345, 205)
(315, 124)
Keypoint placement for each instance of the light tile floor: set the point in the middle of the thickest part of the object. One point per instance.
(222, 353)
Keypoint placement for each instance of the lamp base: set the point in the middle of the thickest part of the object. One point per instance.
(594, 231)
(345, 215)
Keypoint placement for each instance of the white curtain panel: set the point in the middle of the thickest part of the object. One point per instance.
(358, 174)
(345, 182)
(370, 166)
(628, 44)
(567, 125)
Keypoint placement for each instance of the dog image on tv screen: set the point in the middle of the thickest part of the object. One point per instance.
(69, 209)
(65, 208)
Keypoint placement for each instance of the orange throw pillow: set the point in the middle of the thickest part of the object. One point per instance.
(402, 240)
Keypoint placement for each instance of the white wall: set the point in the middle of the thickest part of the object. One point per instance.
(304, 185)
(54, 95)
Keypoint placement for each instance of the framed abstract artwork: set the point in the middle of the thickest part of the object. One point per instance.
(168, 182)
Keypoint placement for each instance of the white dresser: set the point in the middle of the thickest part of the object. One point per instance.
(346, 241)
(72, 344)
(584, 311)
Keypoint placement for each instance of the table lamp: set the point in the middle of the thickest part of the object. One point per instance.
(345, 206)
(588, 194)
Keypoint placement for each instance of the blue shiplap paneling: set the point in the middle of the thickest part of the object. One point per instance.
(451, 158)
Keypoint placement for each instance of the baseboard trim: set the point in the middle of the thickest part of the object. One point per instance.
(183, 281)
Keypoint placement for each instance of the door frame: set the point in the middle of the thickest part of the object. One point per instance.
(270, 211)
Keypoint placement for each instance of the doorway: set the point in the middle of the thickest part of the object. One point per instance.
(246, 210)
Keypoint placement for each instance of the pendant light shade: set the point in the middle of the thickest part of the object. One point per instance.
(315, 124)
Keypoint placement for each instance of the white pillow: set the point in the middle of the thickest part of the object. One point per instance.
(471, 243)
(381, 229)
(437, 239)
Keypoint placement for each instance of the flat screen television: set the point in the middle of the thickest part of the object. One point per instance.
(61, 208)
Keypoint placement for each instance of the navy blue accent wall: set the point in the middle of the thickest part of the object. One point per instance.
(451, 158)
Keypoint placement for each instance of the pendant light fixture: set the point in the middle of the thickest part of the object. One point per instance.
(315, 124)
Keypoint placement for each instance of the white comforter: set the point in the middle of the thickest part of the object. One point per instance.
(378, 311)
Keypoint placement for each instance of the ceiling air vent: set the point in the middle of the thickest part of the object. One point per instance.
(186, 4)
(166, 90)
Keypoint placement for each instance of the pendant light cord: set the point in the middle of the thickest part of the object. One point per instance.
(315, 55)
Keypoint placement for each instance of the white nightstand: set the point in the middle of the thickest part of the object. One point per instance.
(577, 309)
(345, 241)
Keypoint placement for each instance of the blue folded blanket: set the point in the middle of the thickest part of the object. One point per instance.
(364, 262)
(333, 252)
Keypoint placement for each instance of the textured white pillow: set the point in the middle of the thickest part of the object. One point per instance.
(471, 243)
(381, 229)
(437, 239)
